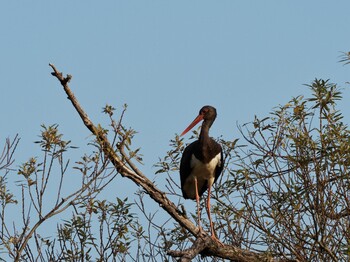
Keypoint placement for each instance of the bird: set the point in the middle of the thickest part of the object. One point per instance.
(201, 163)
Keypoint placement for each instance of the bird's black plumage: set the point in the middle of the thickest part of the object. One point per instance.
(201, 164)
(201, 152)
(186, 169)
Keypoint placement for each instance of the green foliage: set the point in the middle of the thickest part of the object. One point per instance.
(98, 230)
(171, 161)
(345, 58)
(108, 109)
(286, 189)
(296, 184)
(50, 138)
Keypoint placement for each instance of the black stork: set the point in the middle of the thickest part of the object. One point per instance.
(201, 163)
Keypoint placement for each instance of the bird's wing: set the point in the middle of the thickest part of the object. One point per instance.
(220, 166)
(185, 165)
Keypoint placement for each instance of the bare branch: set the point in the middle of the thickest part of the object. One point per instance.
(204, 244)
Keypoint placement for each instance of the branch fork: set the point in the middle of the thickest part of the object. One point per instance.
(203, 244)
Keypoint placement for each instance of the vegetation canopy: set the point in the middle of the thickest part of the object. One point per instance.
(284, 194)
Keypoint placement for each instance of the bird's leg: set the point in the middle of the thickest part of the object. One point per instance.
(198, 206)
(213, 235)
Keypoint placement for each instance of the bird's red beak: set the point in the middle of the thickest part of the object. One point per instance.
(195, 122)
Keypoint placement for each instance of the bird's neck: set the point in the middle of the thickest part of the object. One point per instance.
(204, 134)
(205, 143)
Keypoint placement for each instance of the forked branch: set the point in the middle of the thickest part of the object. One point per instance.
(204, 244)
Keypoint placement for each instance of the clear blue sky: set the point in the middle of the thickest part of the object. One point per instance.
(165, 59)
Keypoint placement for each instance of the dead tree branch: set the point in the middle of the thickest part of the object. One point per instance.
(204, 244)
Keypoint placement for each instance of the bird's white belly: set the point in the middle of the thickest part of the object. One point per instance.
(204, 172)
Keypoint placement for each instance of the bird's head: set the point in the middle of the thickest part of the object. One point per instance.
(207, 113)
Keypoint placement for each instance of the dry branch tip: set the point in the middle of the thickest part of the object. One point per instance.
(59, 75)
